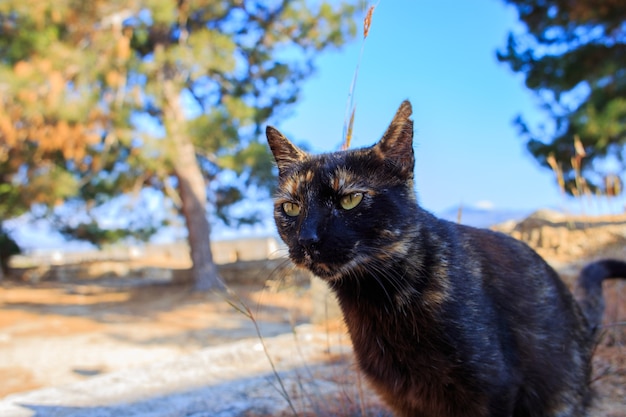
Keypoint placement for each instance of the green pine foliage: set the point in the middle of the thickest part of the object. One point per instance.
(92, 93)
(573, 56)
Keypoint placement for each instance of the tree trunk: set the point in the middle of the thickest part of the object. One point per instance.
(193, 197)
(4, 246)
(192, 191)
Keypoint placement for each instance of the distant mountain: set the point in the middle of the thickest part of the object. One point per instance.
(483, 216)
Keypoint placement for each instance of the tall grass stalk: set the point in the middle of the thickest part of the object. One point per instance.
(348, 124)
(580, 189)
(238, 304)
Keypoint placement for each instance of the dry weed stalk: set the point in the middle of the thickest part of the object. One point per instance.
(580, 188)
(304, 399)
(612, 189)
(351, 105)
(238, 304)
(557, 170)
(243, 308)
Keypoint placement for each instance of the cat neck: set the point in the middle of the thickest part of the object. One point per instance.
(415, 276)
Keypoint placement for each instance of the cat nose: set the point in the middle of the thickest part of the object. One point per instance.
(308, 235)
(309, 239)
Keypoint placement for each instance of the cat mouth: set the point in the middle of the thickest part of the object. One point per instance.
(313, 261)
(326, 269)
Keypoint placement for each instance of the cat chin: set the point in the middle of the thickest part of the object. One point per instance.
(332, 273)
(329, 271)
(328, 276)
(321, 270)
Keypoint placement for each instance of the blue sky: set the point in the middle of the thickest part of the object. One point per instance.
(441, 55)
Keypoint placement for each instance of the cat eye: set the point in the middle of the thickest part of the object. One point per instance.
(291, 209)
(350, 201)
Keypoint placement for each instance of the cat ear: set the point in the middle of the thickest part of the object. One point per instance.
(285, 152)
(396, 145)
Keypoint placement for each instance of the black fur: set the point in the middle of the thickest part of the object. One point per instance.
(445, 320)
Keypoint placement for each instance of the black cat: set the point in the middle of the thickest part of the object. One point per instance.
(445, 319)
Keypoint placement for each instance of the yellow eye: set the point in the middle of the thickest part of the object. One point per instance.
(350, 201)
(291, 209)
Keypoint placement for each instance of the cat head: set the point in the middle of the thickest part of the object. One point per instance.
(340, 213)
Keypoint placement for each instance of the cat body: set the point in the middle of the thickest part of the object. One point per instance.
(445, 319)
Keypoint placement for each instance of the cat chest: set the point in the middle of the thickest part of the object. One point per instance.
(395, 348)
(418, 380)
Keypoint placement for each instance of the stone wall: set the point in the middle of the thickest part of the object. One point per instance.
(174, 255)
(257, 272)
(556, 236)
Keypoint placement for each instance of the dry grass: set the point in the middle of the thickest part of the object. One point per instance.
(584, 195)
(334, 388)
(351, 104)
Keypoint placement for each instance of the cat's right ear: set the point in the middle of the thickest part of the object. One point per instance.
(396, 146)
(285, 152)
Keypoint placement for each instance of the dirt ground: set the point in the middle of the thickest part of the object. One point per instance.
(54, 333)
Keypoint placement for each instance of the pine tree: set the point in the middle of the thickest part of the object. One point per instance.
(573, 56)
(102, 98)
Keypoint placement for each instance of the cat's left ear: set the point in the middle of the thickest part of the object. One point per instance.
(396, 144)
(285, 152)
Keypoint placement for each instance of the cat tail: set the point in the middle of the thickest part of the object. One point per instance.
(589, 288)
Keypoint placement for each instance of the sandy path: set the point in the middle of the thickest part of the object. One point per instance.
(53, 333)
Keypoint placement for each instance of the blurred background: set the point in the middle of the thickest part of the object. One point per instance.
(144, 121)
